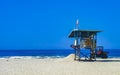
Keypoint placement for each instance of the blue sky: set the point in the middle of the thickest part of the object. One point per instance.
(45, 24)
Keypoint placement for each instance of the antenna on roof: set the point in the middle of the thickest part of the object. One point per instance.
(77, 23)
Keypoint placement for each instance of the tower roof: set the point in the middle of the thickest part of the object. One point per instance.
(82, 33)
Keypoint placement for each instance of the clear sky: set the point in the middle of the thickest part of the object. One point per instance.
(45, 24)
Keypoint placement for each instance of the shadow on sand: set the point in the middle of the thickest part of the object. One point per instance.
(110, 60)
(102, 60)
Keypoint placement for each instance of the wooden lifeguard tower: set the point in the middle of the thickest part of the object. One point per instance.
(84, 39)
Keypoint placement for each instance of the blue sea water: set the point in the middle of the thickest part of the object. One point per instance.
(58, 53)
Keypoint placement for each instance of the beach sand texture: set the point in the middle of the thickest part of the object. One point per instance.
(60, 66)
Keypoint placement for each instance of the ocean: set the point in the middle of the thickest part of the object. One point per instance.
(56, 53)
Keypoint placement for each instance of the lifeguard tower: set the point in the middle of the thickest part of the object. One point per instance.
(84, 40)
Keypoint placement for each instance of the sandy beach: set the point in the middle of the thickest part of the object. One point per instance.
(60, 66)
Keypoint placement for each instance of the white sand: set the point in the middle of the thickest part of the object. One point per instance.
(64, 66)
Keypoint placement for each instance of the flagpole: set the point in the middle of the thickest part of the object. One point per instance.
(77, 22)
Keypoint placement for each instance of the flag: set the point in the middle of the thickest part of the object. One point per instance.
(77, 22)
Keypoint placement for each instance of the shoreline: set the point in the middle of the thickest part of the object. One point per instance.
(49, 57)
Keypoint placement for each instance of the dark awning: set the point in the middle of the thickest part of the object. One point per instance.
(80, 33)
